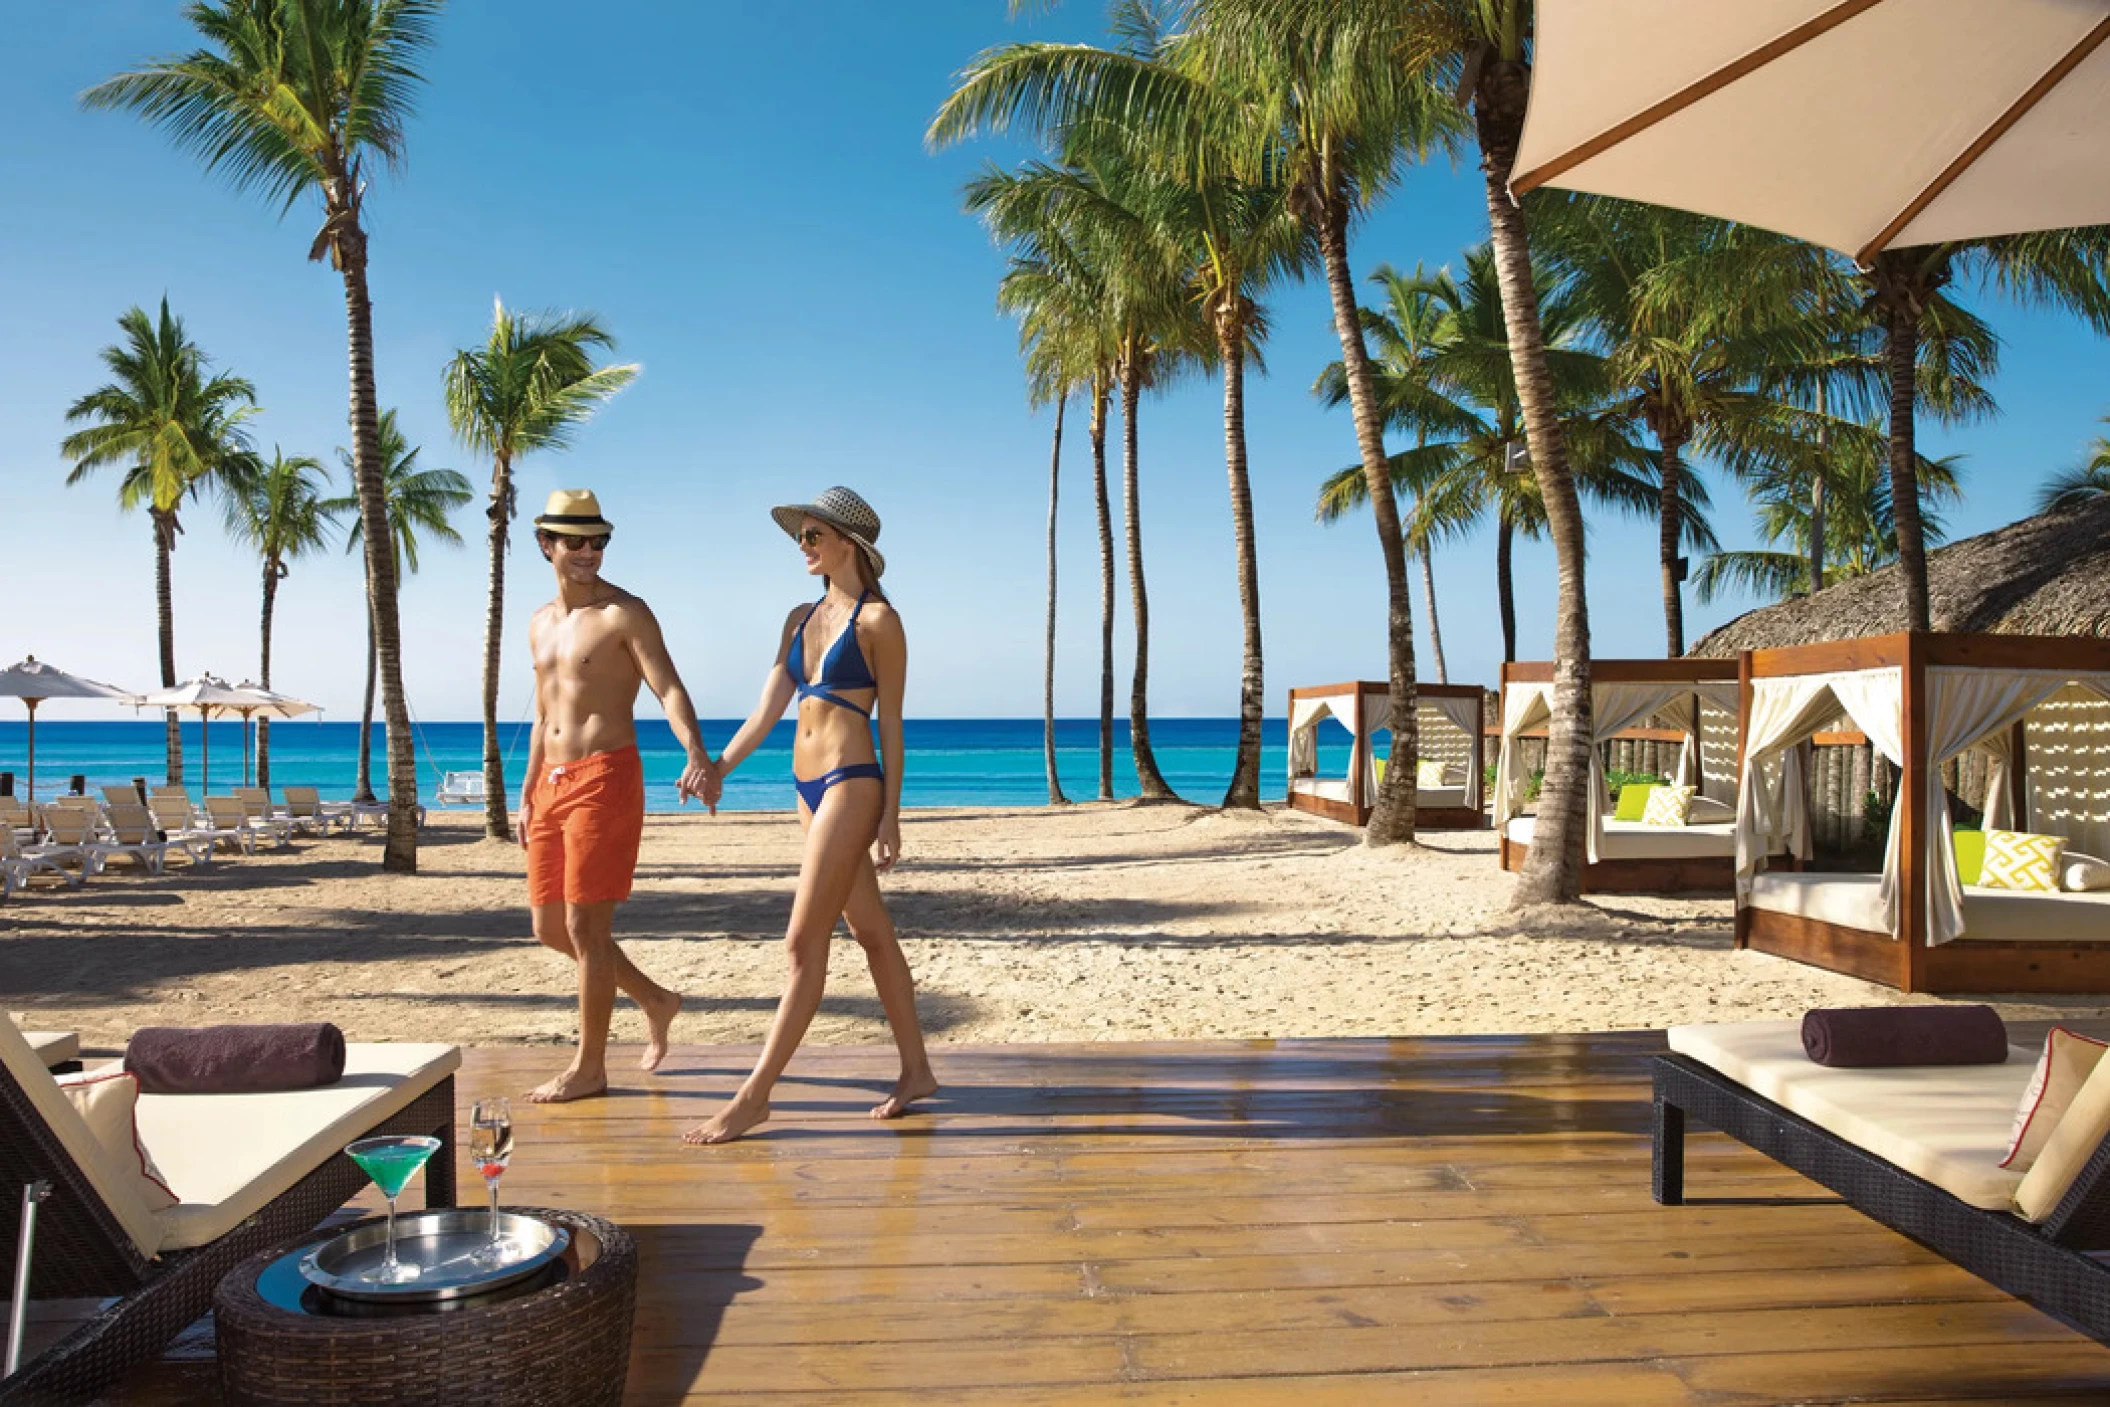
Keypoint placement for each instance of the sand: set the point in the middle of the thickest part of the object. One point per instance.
(1090, 922)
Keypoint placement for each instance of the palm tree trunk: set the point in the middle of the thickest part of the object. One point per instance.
(263, 724)
(1392, 816)
(1151, 782)
(1904, 458)
(400, 853)
(496, 823)
(1553, 873)
(1506, 584)
(1669, 522)
(165, 619)
(1106, 589)
(1428, 592)
(1244, 790)
(1824, 464)
(1047, 689)
(365, 790)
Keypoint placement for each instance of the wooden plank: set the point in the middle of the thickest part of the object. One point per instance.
(1873, 957)
(1829, 656)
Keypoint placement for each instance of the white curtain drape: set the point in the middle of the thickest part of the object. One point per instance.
(1376, 716)
(1305, 716)
(1965, 708)
(1614, 709)
(1464, 714)
(1784, 711)
(1524, 706)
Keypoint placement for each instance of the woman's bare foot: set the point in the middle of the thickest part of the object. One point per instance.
(907, 1090)
(572, 1084)
(659, 1017)
(740, 1115)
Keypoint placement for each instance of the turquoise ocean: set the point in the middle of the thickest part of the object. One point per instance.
(951, 762)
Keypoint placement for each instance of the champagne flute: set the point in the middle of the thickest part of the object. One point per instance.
(390, 1161)
(491, 1148)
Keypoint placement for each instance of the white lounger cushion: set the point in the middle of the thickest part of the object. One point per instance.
(1948, 1124)
(1632, 840)
(1997, 915)
(227, 1156)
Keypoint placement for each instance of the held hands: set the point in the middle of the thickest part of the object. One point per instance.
(886, 847)
(700, 780)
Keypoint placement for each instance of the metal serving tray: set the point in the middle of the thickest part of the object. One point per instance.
(440, 1243)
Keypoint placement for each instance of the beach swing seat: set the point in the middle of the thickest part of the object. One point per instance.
(460, 789)
(248, 1171)
(1915, 1148)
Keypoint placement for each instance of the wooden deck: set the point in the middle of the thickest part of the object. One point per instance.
(1439, 1221)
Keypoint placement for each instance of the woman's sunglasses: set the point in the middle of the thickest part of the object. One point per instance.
(813, 537)
(591, 544)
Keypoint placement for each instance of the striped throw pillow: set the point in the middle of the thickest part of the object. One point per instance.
(2019, 860)
(1667, 806)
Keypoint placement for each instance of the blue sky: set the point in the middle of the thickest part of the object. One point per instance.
(744, 198)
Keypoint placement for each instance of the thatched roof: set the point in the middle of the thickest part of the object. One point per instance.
(2047, 575)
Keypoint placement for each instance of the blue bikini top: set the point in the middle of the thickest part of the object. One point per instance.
(842, 667)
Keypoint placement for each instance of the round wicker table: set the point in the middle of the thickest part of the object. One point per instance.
(566, 1342)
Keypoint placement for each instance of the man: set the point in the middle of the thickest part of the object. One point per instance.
(583, 811)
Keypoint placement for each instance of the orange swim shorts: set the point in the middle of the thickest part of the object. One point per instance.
(584, 822)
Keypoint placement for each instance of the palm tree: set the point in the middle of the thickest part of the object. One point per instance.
(2083, 483)
(417, 500)
(174, 431)
(529, 387)
(1058, 291)
(1445, 377)
(293, 98)
(2067, 269)
(1859, 522)
(282, 514)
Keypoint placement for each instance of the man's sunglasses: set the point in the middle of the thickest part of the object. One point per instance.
(591, 544)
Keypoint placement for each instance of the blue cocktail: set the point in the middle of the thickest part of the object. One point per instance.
(390, 1161)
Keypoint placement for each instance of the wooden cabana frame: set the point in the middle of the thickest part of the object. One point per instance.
(1906, 961)
(1354, 809)
(1652, 875)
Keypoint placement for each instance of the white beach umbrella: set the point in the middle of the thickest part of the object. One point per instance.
(208, 694)
(1860, 125)
(34, 681)
(266, 702)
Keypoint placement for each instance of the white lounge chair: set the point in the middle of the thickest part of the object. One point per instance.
(180, 824)
(227, 813)
(306, 804)
(262, 810)
(123, 795)
(130, 831)
(18, 862)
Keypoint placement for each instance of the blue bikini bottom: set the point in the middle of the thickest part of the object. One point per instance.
(816, 791)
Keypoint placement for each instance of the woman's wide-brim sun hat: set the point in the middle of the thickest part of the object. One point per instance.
(842, 510)
(573, 513)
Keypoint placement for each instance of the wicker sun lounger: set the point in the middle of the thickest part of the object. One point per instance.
(281, 1150)
(2045, 1260)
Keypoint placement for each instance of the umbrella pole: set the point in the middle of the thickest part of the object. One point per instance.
(205, 750)
(245, 747)
(32, 794)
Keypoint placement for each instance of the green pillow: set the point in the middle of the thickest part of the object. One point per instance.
(1633, 801)
(1970, 856)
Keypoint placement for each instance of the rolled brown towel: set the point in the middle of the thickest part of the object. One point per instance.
(235, 1059)
(1905, 1035)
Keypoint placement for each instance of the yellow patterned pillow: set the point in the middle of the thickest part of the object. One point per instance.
(2019, 860)
(1667, 806)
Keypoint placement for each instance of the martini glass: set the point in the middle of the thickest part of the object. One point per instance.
(390, 1161)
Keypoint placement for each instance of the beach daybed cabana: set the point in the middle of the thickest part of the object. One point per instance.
(2037, 706)
(1451, 721)
(1695, 698)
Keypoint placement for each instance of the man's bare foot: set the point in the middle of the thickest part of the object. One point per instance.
(740, 1115)
(571, 1085)
(658, 1018)
(907, 1090)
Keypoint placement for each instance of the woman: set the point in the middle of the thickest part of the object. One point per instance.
(841, 657)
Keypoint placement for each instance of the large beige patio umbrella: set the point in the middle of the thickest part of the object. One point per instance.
(264, 701)
(208, 694)
(34, 681)
(1855, 124)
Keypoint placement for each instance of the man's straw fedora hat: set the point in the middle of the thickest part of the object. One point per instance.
(842, 510)
(573, 513)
